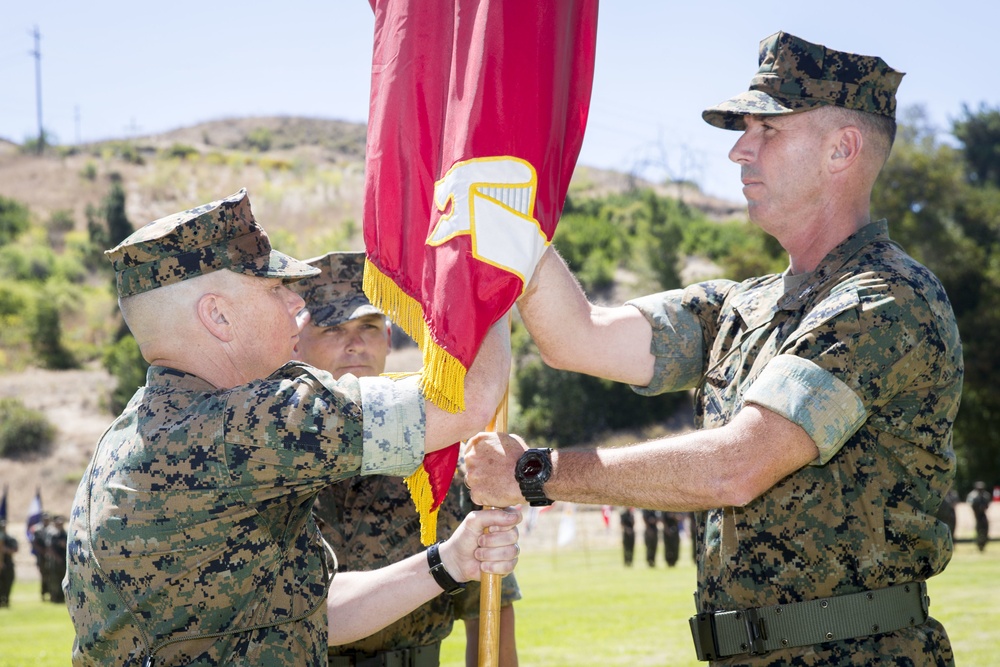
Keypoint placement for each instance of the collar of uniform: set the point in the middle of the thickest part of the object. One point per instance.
(833, 262)
(161, 376)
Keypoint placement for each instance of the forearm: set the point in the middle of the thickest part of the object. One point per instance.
(723, 467)
(485, 384)
(361, 603)
(726, 466)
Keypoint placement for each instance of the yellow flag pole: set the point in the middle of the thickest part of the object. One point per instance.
(489, 597)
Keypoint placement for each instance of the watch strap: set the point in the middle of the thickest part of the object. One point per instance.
(440, 574)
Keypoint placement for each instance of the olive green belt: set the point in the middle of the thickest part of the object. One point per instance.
(762, 629)
(421, 656)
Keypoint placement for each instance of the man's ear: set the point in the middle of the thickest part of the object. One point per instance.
(846, 149)
(388, 336)
(212, 314)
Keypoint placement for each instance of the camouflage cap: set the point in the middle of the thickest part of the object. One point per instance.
(335, 295)
(219, 235)
(796, 75)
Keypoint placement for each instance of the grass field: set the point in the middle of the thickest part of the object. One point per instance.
(583, 607)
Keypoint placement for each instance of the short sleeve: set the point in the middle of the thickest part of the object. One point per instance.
(677, 343)
(805, 394)
(393, 425)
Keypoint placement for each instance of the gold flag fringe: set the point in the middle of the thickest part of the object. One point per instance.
(443, 376)
(423, 499)
(442, 379)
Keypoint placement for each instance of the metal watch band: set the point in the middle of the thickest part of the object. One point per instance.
(441, 576)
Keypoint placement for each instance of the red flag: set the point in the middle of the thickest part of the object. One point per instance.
(478, 109)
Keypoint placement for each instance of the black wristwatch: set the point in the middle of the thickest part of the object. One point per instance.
(533, 469)
(441, 576)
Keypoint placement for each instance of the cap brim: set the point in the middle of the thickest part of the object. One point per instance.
(334, 315)
(729, 115)
(279, 265)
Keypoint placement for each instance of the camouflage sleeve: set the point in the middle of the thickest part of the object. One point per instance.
(393, 425)
(802, 392)
(682, 323)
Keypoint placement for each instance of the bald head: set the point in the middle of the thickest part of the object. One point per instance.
(226, 327)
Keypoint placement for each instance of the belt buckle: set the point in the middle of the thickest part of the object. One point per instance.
(703, 633)
(756, 631)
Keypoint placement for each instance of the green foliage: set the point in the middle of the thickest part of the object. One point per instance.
(61, 221)
(979, 133)
(124, 361)
(259, 139)
(125, 150)
(113, 210)
(28, 262)
(180, 151)
(89, 172)
(664, 230)
(46, 336)
(22, 430)
(591, 247)
(562, 408)
(14, 220)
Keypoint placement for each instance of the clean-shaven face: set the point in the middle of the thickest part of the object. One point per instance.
(357, 346)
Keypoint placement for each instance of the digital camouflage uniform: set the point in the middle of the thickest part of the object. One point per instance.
(191, 537)
(371, 522)
(864, 354)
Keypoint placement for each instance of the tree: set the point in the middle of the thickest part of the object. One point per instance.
(113, 209)
(14, 220)
(979, 133)
(124, 361)
(46, 336)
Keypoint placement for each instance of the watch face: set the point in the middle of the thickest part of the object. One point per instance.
(531, 467)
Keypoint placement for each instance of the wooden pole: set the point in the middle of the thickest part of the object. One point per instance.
(489, 597)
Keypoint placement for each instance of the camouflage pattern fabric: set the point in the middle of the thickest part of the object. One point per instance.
(865, 355)
(796, 75)
(191, 536)
(219, 235)
(334, 295)
(370, 522)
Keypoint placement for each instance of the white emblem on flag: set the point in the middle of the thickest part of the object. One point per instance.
(493, 200)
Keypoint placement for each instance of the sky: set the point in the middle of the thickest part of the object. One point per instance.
(113, 69)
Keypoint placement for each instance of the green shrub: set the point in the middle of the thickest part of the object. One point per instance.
(14, 219)
(180, 151)
(46, 336)
(28, 262)
(124, 361)
(89, 171)
(22, 430)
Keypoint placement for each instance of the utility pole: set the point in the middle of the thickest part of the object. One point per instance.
(37, 53)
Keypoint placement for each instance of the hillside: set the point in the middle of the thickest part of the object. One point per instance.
(305, 178)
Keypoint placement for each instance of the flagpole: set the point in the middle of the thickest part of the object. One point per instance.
(489, 597)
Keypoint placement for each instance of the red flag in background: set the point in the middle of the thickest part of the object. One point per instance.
(478, 109)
